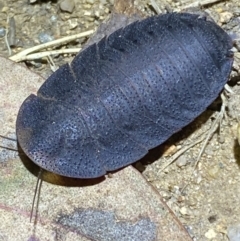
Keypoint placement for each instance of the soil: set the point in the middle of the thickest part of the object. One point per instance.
(205, 198)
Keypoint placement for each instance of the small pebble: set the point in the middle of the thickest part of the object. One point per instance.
(181, 161)
(199, 179)
(54, 18)
(2, 32)
(192, 201)
(233, 233)
(221, 139)
(166, 195)
(45, 37)
(36, 63)
(210, 234)
(5, 9)
(103, 2)
(225, 17)
(67, 5)
(181, 199)
(213, 172)
(190, 231)
(184, 211)
(73, 23)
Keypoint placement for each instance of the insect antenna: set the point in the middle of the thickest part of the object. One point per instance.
(39, 180)
(37, 193)
(10, 139)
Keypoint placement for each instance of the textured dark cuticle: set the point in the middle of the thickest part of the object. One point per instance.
(124, 95)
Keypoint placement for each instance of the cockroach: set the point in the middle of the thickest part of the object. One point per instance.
(125, 95)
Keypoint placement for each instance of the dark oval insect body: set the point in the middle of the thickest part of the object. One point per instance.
(125, 95)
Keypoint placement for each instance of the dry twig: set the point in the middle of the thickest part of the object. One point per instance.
(23, 54)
